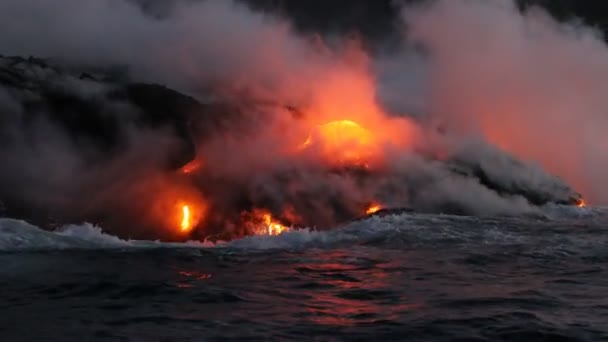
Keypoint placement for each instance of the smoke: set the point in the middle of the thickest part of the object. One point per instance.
(55, 167)
(528, 84)
(196, 44)
(423, 126)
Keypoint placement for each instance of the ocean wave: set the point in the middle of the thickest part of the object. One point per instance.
(389, 230)
(17, 235)
(561, 212)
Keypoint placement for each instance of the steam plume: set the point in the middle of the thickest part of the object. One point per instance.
(528, 84)
(470, 80)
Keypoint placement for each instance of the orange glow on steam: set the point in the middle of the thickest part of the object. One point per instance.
(343, 142)
(192, 166)
(344, 124)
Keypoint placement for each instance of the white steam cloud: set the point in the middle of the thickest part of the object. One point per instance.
(531, 85)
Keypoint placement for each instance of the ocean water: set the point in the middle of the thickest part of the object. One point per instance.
(404, 277)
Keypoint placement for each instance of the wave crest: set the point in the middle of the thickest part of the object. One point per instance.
(18, 235)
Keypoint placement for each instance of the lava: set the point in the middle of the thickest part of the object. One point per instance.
(188, 213)
(274, 227)
(581, 203)
(261, 222)
(186, 223)
(373, 208)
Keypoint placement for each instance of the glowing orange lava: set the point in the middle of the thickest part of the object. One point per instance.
(581, 203)
(186, 223)
(274, 227)
(261, 222)
(168, 203)
(187, 215)
(373, 208)
(344, 142)
(344, 122)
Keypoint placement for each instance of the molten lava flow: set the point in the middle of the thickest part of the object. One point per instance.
(274, 227)
(581, 203)
(261, 222)
(168, 203)
(186, 223)
(343, 142)
(188, 213)
(373, 208)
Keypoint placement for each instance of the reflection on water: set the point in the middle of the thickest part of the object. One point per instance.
(188, 279)
(347, 291)
(515, 281)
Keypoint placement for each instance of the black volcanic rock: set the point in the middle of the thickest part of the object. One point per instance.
(92, 110)
(501, 172)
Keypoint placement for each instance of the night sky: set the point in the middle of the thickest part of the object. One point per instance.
(377, 17)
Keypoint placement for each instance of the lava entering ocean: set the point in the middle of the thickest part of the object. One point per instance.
(581, 203)
(373, 208)
(187, 217)
(261, 222)
(186, 223)
(282, 129)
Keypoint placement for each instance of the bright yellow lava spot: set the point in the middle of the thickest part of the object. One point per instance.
(186, 219)
(261, 222)
(274, 228)
(581, 203)
(342, 132)
(372, 209)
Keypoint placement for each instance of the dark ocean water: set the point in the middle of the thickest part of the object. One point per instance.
(409, 277)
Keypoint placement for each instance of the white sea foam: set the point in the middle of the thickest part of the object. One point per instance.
(18, 235)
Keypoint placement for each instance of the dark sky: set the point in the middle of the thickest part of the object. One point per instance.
(374, 18)
(592, 12)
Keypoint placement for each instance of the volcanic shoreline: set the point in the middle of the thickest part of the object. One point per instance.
(58, 95)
